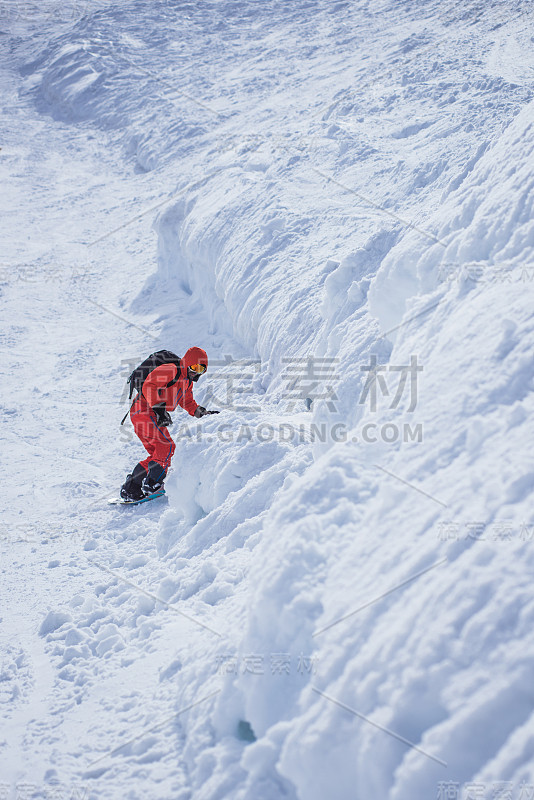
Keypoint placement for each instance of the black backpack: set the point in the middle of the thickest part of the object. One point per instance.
(140, 373)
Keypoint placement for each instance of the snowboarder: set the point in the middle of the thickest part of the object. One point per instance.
(160, 390)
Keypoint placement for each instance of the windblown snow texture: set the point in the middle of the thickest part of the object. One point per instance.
(314, 192)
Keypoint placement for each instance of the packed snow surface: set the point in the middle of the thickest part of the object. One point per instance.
(336, 201)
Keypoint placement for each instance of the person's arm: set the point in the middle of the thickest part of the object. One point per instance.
(187, 401)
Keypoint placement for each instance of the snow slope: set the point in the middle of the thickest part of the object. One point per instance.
(334, 598)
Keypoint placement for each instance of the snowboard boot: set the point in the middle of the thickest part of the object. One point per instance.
(154, 478)
(132, 486)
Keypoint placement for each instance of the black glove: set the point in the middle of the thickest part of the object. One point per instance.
(163, 418)
(201, 412)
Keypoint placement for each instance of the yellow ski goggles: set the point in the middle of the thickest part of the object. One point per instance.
(198, 369)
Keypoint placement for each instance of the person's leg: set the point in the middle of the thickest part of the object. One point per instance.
(131, 488)
(157, 464)
(155, 475)
(150, 473)
(143, 421)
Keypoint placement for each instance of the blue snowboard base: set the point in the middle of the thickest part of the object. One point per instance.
(118, 501)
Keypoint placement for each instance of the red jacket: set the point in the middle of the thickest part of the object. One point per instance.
(181, 392)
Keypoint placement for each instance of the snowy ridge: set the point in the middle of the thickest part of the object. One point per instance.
(299, 618)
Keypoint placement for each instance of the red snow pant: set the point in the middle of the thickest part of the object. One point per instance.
(157, 441)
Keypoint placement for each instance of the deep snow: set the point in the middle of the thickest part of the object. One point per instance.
(334, 598)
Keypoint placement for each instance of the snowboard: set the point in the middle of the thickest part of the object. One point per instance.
(118, 501)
